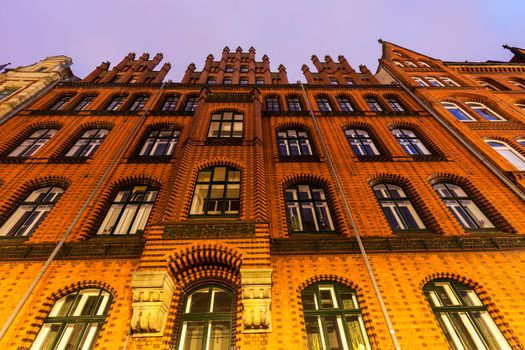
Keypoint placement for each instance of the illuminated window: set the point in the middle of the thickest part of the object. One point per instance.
(462, 316)
(31, 212)
(226, 125)
(217, 192)
(74, 321)
(129, 212)
(333, 319)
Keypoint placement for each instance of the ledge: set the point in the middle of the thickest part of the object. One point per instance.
(92, 249)
(322, 245)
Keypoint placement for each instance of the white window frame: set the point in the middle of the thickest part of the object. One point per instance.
(507, 148)
(451, 105)
(480, 106)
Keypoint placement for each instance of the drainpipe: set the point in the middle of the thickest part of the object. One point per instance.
(55, 251)
(461, 139)
(354, 227)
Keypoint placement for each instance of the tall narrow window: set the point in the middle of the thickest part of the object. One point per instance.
(398, 208)
(31, 212)
(410, 142)
(116, 103)
(395, 104)
(84, 103)
(294, 104)
(484, 111)
(361, 142)
(333, 318)
(272, 104)
(345, 104)
(160, 142)
(129, 212)
(74, 321)
(217, 192)
(33, 143)
(138, 104)
(373, 104)
(88, 143)
(61, 102)
(170, 103)
(509, 153)
(6, 92)
(323, 104)
(307, 209)
(462, 206)
(292, 142)
(207, 319)
(226, 125)
(457, 112)
(191, 104)
(463, 317)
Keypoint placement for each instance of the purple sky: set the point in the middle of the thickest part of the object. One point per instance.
(288, 31)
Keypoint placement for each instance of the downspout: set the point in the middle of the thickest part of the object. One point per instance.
(55, 251)
(461, 139)
(352, 222)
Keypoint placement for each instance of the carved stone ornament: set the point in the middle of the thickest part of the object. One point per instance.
(256, 300)
(152, 292)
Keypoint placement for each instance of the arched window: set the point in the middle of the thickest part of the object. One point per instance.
(489, 85)
(25, 220)
(229, 69)
(521, 141)
(517, 84)
(420, 81)
(74, 321)
(333, 319)
(395, 104)
(399, 64)
(294, 104)
(191, 104)
(227, 80)
(373, 104)
(211, 80)
(116, 103)
(226, 125)
(463, 317)
(244, 68)
(434, 82)
(207, 319)
(423, 64)
(449, 82)
(61, 102)
(520, 105)
(457, 112)
(33, 143)
(410, 64)
(345, 104)
(308, 209)
(259, 81)
(323, 104)
(410, 142)
(272, 104)
(88, 143)
(217, 192)
(138, 103)
(160, 142)
(293, 142)
(129, 212)
(484, 111)
(509, 153)
(84, 103)
(462, 206)
(243, 81)
(397, 207)
(361, 142)
(170, 103)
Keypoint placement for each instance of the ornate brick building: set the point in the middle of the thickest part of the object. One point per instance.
(237, 210)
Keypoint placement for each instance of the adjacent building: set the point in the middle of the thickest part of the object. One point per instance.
(234, 210)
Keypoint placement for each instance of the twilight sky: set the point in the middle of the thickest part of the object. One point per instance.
(288, 31)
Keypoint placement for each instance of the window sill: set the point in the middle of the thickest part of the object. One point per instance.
(13, 239)
(69, 160)
(230, 141)
(310, 158)
(150, 159)
(374, 158)
(13, 160)
(429, 158)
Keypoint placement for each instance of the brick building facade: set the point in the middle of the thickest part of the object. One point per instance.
(237, 210)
